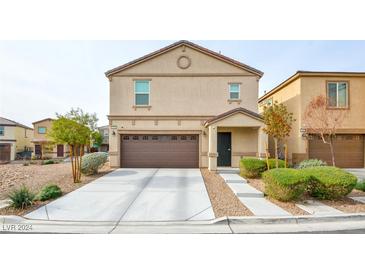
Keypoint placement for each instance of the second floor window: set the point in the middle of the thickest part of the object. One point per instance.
(234, 91)
(42, 130)
(2, 131)
(142, 92)
(337, 94)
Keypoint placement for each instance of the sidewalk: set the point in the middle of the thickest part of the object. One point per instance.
(345, 223)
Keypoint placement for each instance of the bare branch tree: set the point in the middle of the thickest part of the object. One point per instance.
(324, 121)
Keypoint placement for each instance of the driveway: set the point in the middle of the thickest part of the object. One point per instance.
(147, 194)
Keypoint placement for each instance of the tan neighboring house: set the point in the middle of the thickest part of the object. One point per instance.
(104, 131)
(184, 106)
(344, 91)
(43, 147)
(14, 138)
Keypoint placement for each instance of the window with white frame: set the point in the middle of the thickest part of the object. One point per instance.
(142, 92)
(2, 130)
(234, 91)
(42, 130)
(337, 94)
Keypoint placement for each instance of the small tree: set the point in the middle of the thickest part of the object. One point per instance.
(76, 135)
(324, 121)
(278, 123)
(97, 138)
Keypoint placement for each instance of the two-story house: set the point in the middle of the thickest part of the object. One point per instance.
(184, 106)
(344, 91)
(14, 138)
(43, 145)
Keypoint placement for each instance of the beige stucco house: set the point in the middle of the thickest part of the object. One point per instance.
(14, 138)
(344, 91)
(43, 146)
(184, 106)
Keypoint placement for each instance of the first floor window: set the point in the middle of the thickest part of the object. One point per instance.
(2, 130)
(234, 91)
(42, 130)
(142, 92)
(337, 94)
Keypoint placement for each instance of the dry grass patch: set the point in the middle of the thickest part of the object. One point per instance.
(224, 201)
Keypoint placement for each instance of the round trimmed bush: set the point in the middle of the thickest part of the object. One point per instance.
(360, 185)
(252, 167)
(92, 162)
(311, 163)
(49, 192)
(285, 184)
(329, 182)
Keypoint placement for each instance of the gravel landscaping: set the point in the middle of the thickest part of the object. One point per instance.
(346, 205)
(288, 206)
(34, 177)
(224, 201)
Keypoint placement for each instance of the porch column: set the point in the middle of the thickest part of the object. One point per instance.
(212, 153)
(262, 142)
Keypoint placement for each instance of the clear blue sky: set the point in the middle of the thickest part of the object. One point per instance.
(39, 78)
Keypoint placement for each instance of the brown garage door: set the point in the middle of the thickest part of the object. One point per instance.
(174, 151)
(348, 148)
(5, 151)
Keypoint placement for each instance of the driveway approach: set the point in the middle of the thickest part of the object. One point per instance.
(134, 195)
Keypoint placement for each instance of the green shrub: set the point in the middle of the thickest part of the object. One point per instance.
(285, 184)
(272, 163)
(252, 167)
(21, 198)
(26, 164)
(311, 163)
(92, 162)
(360, 185)
(48, 162)
(329, 182)
(49, 192)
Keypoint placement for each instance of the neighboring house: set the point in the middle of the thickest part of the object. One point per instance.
(104, 131)
(184, 106)
(43, 146)
(344, 91)
(14, 138)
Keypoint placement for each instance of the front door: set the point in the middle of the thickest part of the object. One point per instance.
(224, 149)
(59, 150)
(38, 150)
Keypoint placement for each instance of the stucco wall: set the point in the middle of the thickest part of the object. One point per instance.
(23, 138)
(47, 124)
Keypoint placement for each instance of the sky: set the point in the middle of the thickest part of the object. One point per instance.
(40, 78)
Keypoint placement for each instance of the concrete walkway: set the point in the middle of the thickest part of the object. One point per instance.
(358, 172)
(134, 195)
(252, 198)
(317, 208)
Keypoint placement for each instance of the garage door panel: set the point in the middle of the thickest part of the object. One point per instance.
(160, 151)
(348, 150)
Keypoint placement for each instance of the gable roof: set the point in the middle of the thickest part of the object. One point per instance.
(188, 44)
(46, 119)
(303, 73)
(7, 122)
(232, 112)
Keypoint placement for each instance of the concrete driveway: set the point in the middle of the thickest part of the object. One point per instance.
(134, 195)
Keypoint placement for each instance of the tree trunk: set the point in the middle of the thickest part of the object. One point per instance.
(72, 162)
(267, 155)
(332, 152)
(286, 155)
(276, 152)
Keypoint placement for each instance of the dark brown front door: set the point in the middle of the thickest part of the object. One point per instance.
(348, 150)
(38, 150)
(59, 150)
(5, 152)
(159, 151)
